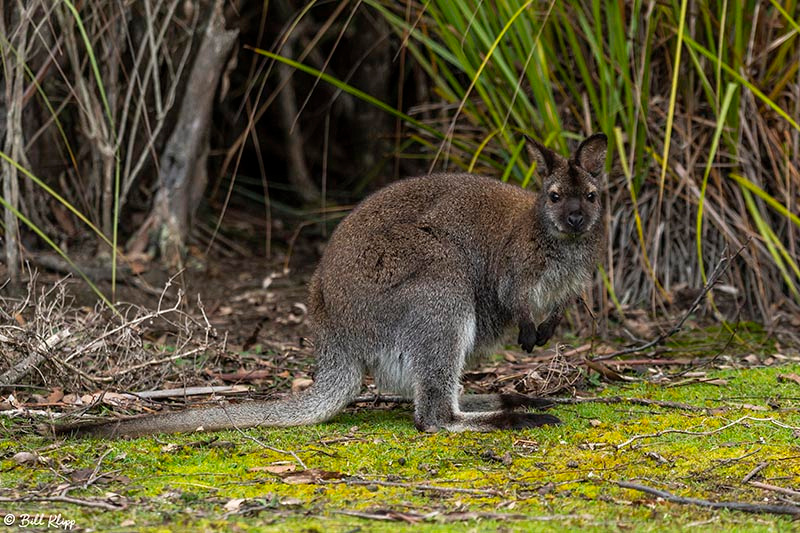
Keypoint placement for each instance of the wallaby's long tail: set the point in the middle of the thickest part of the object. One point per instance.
(330, 393)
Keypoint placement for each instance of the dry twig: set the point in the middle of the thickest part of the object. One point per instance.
(705, 433)
(775, 488)
(68, 499)
(719, 269)
(754, 472)
(272, 448)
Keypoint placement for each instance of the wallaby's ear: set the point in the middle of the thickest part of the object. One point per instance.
(544, 157)
(591, 154)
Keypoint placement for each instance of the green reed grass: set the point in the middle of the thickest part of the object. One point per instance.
(671, 83)
(642, 72)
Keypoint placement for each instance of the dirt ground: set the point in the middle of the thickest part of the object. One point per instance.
(242, 321)
(245, 316)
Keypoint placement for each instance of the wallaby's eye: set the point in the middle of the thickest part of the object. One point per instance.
(554, 197)
(592, 196)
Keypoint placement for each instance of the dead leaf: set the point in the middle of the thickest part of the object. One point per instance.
(313, 475)
(785, 378)
(274, 469)
(547, 488)
(23, 458)
(71, 399)
(13, 402)
(301, 384)
(603, 370)
(752, 407)
(642, 328)
(698, 374)
(233, 505)
(81, 474)
(752, 359)
(604, 349)
(113, 497)
(55, 396)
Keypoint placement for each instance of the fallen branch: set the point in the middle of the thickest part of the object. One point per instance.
(775, 488)
(267, 446)
(720, 269)
(734, 506)
(68, 499)
(751, 474)
(190, 391)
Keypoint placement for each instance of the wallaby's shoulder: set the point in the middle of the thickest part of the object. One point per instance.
(441, 187)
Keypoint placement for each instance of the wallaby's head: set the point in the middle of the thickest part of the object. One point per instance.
(570, 199)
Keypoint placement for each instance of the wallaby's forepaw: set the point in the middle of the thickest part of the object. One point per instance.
(544, 333)
(515, 401)
(528, 337)
(515, 420)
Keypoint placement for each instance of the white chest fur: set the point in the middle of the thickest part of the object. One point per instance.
(557, 284)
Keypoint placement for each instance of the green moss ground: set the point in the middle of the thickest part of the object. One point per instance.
(559, 477)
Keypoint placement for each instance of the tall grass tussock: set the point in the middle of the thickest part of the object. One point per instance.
(700, 101)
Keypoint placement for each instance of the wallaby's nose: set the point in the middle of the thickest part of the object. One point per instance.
(575, 220)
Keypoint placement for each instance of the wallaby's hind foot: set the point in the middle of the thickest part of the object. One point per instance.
(515, 420)
(501, 402)
(489, 421)
(437, 403)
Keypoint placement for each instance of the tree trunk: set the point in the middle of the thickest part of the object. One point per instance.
(13, 144)
(182, 167)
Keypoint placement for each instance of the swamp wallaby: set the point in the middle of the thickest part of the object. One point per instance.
(422, 277)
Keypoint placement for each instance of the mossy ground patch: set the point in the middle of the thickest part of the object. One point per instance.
(380, 474)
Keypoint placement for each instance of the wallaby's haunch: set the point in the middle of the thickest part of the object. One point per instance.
(422, 277)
